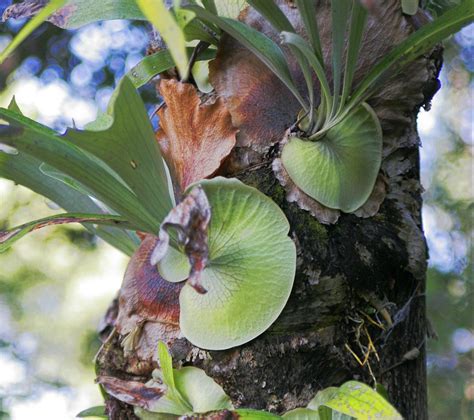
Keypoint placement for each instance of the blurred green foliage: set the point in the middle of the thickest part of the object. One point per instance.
(448, 220)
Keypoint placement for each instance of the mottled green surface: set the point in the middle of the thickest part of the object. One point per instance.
(338, 170)
(250, 273)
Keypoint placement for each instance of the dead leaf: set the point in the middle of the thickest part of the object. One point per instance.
(131, 392)
(260, 104)
(194, 137)
(191, 219)
(372, 206)
(148, 304)
(29, 8)
(141, 235)
(24, 9)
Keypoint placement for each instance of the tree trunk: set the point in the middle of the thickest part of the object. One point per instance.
(357, 310)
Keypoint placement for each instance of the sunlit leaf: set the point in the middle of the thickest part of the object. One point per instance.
(65, 179)
(224, 8)
(338, 170)
(360, 401)
(241, 414)
(148, 415)
(249, 414)
(157, 63)
(322, 397)
(34, 139)
(194, 29)
(135, 184)
(126, 143)
(170, 31)
(230, 8)
(262, 46)
(7, 238)
(149, 67)
(250, 271)
(97, 411)
(200, 390)
(173, 402)
(183, 17)
(326, 413)
(166, 366)
(189, 389)
(200, 72)
(45, 12)
(25, 170)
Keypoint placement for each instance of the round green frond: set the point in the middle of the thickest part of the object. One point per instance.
(174, 266)
(340, 169)
(200, 390)
(250, 273)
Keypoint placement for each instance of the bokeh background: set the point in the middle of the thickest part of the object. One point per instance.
(55, 284)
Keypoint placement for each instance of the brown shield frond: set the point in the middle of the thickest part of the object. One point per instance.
(148, 305)
(194, 137)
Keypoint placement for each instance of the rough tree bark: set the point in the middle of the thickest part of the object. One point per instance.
(348, 273)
